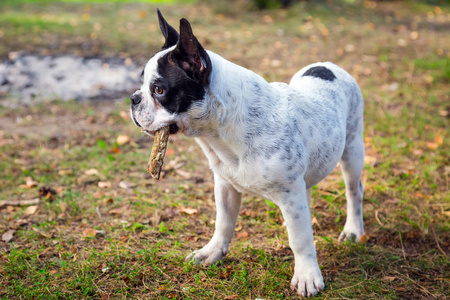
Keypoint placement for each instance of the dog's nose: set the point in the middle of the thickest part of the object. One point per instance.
(136, 99)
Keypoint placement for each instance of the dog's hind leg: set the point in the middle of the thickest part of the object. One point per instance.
(352, 163)
(228, 205)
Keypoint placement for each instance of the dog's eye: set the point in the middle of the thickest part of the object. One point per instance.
(158, 90)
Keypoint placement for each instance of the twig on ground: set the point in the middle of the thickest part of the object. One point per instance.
(19, 202)
(437, 242)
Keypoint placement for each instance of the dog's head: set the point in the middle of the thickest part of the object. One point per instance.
(173, 81)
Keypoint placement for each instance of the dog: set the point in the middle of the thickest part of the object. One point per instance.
(274, 140)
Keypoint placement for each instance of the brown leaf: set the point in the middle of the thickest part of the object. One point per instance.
(30, 183)
(188, 210)
(8, 236)
(439, 139)
(122, 139)
(389, 278)
(30, 210)
(47, 192)
(63, 206)
(417, 151)
(65, 172)
(89, 233)
(41, 233)
(120, 210)
(126, 185)
(104, 184)
(432, 146)
(98, 194)
(124, 115)
(108, 201)
(91, 172)
(243, 235)
(364, 239)
(183, 174)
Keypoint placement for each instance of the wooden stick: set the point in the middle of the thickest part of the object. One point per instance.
(158, 151)
(19, 202)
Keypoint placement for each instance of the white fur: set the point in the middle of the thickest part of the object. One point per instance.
(276, 141)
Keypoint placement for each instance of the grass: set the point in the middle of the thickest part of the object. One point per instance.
(128, 239)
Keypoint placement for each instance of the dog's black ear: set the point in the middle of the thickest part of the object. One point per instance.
(190, 55)
(169, 33)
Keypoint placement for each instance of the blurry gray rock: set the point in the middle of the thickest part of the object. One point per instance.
(31, 77)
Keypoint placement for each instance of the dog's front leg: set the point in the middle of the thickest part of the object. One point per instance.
(228, 205)
(307, 279)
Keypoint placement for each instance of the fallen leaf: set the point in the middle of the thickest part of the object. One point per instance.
(65, 172)
(63, 206)
(364, 239)
(104, 184)
(47, 192)
(417, 151)
(238, 228)
(8, 236)
(97, 194)
(52, 272)
(91, 172)
(124, 115)
(432, 146)
(183, 174)
(30, 183)
(126, 185)
(120, 210)
(315, 222)
(89, 233)
(389, 278)
(242, 235)
(30, 210)
(371, 160)
(21, 222)
(108, 201)
(122, 139)
(439, 139)
(41, 233)
(188, 210)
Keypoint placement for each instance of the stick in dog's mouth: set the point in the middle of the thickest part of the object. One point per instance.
(158, 151)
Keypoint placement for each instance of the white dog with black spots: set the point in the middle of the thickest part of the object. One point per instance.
(274, 140)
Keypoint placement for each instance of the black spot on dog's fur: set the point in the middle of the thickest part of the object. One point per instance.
(320, 72)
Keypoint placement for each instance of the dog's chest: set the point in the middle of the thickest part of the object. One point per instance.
(226, 164)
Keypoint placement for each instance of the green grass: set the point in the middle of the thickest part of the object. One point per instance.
(142, 232)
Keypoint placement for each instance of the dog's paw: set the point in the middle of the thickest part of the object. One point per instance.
(207, 255)
(351, 234)
(307, 281)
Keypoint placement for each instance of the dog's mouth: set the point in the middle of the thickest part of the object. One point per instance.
(173, 129)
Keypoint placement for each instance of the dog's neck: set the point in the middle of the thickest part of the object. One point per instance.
(234, 97)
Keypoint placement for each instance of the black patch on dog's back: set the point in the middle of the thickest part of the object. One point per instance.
(320, 72)
(180, 90)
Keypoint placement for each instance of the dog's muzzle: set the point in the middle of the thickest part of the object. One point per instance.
(136, 98)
